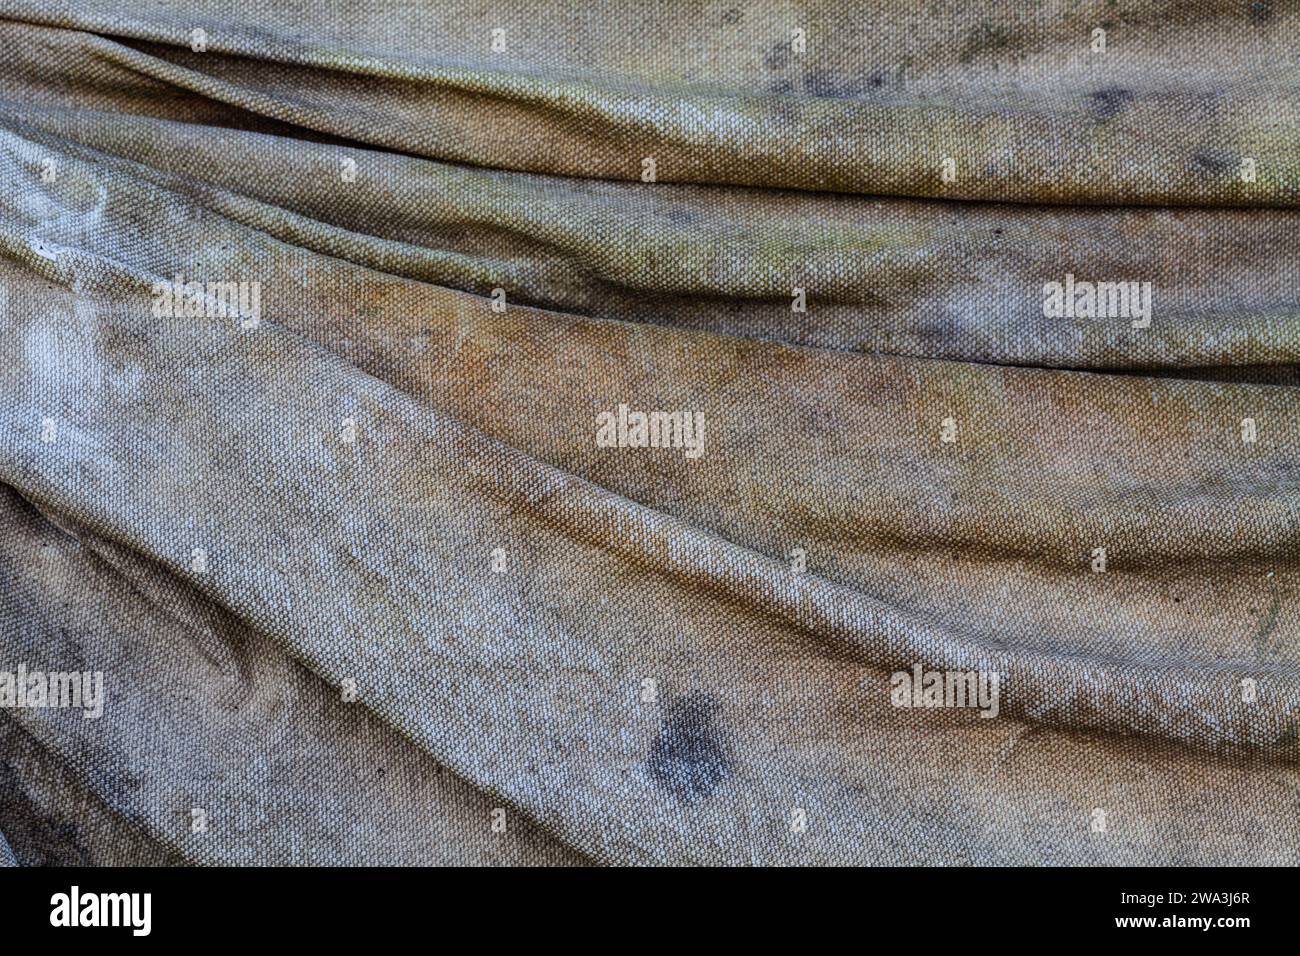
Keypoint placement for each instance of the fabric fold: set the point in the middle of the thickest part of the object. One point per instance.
(880, 277)
(214, 742)
(431, 479)
(303, 580)
(1090, 131)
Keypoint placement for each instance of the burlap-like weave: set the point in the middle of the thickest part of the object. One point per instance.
(365, 586)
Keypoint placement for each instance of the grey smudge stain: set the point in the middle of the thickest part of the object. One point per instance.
(36, 837)
(825, 85)
(1110, 101)
(1265, 648)
(1213, 162)
(778, 56)
(1261, 11)
(690, 757)
(985, 38)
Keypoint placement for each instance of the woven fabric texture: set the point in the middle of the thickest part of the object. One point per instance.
(325, 330)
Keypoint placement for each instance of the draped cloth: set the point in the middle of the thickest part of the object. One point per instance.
(365, 586)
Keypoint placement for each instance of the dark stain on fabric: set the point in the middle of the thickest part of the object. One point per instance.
(682, 216)
(1265, 647)
(1110, 101)
(690, 757)
(36, 837)
(1290, 735)
(1212, 162)
(982, 39)
(778, 57)
(1261, 11)
(826, 85)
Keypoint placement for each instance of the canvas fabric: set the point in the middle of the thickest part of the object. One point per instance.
(436, 622)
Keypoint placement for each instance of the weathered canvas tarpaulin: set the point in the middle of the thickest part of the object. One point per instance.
(359, 533)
